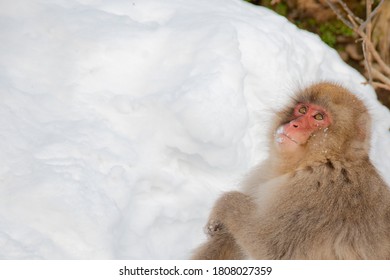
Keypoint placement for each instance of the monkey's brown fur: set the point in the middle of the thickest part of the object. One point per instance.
(327, 202)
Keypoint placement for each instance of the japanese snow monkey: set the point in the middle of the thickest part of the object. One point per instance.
(318, 196)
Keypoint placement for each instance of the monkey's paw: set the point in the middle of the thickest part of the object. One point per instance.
(214, 227)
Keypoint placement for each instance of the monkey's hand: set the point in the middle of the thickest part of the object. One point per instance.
(227, 210)
(214, 227)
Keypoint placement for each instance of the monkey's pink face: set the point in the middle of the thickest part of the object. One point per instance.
(307, 119)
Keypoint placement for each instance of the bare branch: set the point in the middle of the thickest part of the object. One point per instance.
(367, 62)
(353, 22)
(367, 55)
(380, 85)
(349, 12)
(364, 30)
(379, 76)
(339, 14)
(371, 15)
(376, 55)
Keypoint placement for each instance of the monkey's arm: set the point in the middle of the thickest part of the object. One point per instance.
(234, 213)
(230, 212)
(222, 246)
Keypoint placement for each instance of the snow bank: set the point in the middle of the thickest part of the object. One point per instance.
(122, 121)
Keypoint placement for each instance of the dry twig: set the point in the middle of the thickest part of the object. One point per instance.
(377, 70)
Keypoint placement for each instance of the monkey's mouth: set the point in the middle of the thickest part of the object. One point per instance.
(281, 136)
(296, 142)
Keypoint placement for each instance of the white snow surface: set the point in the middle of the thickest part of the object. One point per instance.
(121, 121)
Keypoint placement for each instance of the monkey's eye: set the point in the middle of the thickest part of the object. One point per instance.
(319, 117)
(302, 110)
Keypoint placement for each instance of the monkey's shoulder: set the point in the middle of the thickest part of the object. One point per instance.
(328, 207)
(340, 174)
(337, 184)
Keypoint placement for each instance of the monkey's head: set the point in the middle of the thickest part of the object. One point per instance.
(325, 121)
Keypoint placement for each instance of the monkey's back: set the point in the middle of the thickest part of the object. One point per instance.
(330, 211)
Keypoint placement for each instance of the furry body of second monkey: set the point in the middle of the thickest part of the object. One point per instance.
(329, 204)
